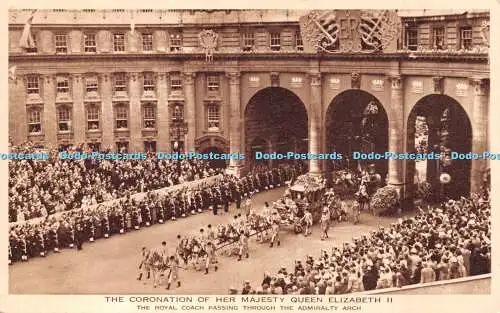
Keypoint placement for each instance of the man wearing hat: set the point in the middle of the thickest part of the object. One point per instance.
(246, 288)
(325, 223)
(275, 230)
(211, 257)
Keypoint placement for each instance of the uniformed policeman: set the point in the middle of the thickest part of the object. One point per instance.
(144, 266)
(243, 242)
(211, 257)
(173, 274)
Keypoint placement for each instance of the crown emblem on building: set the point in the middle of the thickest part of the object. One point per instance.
(208, 41)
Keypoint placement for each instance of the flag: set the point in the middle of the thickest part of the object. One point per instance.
(12, 72)
(27, 41)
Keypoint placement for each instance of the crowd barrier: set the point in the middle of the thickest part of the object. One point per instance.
(137, 196)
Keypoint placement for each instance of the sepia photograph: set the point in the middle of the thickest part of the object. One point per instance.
(249, 152)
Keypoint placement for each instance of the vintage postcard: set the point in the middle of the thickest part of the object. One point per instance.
(297, 157)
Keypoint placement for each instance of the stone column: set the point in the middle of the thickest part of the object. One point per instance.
(315, 110)
(480, 140)
(75, 41)
(49, 126)
(133, 41)
(163, 122)
(107, 112)
(79, 116)
(160, 40)
(396, 131)
(18, 127)
(235, 122)
(135, 113)
(190, 110)
(104, 41)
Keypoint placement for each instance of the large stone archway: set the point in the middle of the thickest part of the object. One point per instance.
(438, 124)
(278, 117)
(356, 121)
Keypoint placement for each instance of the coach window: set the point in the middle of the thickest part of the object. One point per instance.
(149, 116)
(121, 116)
(35, 121)
(93, 120)
(64, 118)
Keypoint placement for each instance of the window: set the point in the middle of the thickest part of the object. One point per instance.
(122, 147)
(213, 117)
(89, 43)
(175, 83)
(34, 49)
(119, 42)
(213, 83)
(299, 44)
(175, 42)
(149, 82)
(121, 116)
(438, 38)
(62, 85)
(34, 121)
(61, 43)
(466, 38)
(412, 39)
(33, 86)
(150, 146)
(147, 42)
(91, 84)
(120, 82)
(63, 119)
(93, 117)
(149, 117)
(178, 112)
(248, 41)
(275, 41)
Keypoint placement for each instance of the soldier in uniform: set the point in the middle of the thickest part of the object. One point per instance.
(308, 221)
(225, 199)
(243, 241)
(211, 257)
(325, 223)
(237, 196)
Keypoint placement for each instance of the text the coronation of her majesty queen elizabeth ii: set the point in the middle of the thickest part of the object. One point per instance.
(248, 303)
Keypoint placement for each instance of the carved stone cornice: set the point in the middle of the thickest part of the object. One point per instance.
(481, 86)
(160, 76)
(188, 78)
(105, 77)
(48, 79)
(76, 77)
(396, 81)
(132, 76)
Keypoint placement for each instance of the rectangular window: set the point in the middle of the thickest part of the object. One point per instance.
(62, 85)
(248, 41)
(119, 42)
(61, 43)
(34, 121)
(175, 83)
(93, 117)
(178, 112)
(438, 38)
(299, 44)
(121, 117)
(92, 84)
(63, 116)
(149, 117)
(122, 147)
(149, 82)
(147, 42)
(275, 41)
(213, 83)
(33, 86)
(412, 39)
(175, 42)
(150, 146)
(120, 82)
(466, 38)
(213, 117)
(89, 43)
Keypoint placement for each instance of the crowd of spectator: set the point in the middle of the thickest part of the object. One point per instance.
(450, 241)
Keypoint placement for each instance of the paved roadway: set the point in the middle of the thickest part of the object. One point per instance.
(110, 266)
